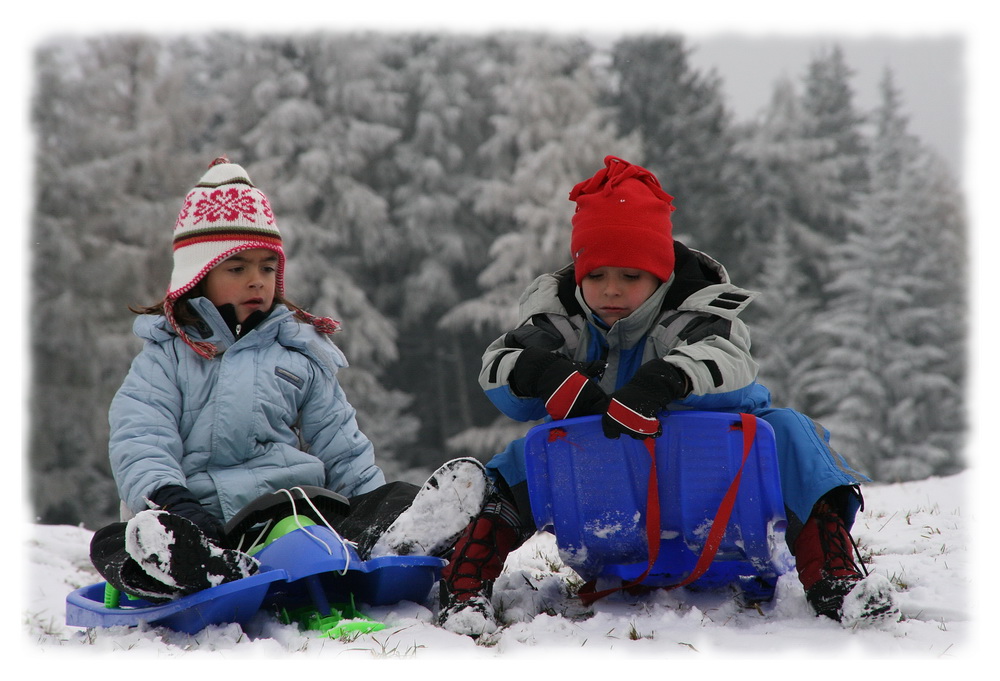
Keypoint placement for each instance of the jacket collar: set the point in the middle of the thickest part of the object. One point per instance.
(211, 328)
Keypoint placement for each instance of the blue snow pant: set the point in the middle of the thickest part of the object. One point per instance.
(808, 466)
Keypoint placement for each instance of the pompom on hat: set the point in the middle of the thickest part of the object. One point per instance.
(223, 215)
(622, 219)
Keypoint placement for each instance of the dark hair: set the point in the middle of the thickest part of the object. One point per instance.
(184, 315)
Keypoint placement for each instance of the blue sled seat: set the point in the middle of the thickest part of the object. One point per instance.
(591, 492)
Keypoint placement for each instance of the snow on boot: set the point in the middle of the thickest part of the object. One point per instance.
(467, 581)
(450, 499)
(172, 550)
(824, 558)
(472, 617)
(871, 601)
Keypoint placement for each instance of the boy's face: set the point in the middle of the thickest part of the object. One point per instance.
(247, 281)
(614, 293)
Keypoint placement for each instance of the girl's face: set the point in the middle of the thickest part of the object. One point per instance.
(247, 281)
(614, 293)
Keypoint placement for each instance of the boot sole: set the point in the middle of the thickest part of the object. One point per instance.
(451, 498)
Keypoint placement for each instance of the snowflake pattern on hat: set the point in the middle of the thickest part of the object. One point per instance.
(229, 205)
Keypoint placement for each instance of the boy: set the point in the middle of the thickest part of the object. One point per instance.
(639, 323)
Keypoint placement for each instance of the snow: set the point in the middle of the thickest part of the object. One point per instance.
(917, 535)
(156, 543)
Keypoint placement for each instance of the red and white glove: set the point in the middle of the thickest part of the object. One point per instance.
(634, 408)
(567, 392)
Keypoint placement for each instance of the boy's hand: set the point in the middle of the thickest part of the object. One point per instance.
(567, 392)
(634, 407)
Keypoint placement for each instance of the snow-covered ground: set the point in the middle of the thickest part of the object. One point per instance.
(917, 535)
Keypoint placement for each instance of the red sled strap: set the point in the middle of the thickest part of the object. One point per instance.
(748, 424)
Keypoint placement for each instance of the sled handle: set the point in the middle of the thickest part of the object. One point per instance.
(112, 596)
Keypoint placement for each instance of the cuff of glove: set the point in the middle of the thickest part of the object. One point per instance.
(633, 420)
(168, 495)
(561, 402)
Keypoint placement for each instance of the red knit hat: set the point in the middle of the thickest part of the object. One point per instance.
(622, 219)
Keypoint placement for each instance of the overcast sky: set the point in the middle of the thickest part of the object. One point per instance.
(928, 71)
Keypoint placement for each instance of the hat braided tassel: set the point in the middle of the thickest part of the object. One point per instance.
(204, 349)
(323, 324)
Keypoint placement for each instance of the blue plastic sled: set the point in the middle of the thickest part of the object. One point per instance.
(308, 567)
(591, 492)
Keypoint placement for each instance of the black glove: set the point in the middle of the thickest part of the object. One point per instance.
(179, 500)
(634, 407)
(567, 391)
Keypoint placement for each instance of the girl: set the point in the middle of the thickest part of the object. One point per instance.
(234, 396)
(636, 325)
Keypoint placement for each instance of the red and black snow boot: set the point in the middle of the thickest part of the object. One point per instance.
(478, 559)
(824, 558)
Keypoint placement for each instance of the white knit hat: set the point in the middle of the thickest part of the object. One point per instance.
(223, 215)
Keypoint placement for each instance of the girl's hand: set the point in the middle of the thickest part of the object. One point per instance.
(178, 500)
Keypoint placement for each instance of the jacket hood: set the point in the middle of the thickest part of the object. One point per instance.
(212, 327)
(279, 326)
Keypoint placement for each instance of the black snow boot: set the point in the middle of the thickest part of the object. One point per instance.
(174, 552)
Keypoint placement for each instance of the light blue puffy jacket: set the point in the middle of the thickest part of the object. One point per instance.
(267, 413)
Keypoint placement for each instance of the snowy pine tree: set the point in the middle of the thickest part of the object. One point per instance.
(785, 316)
(548, 135)
(886, 379)
(110, 145)
(782, 182)
(831, 118)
